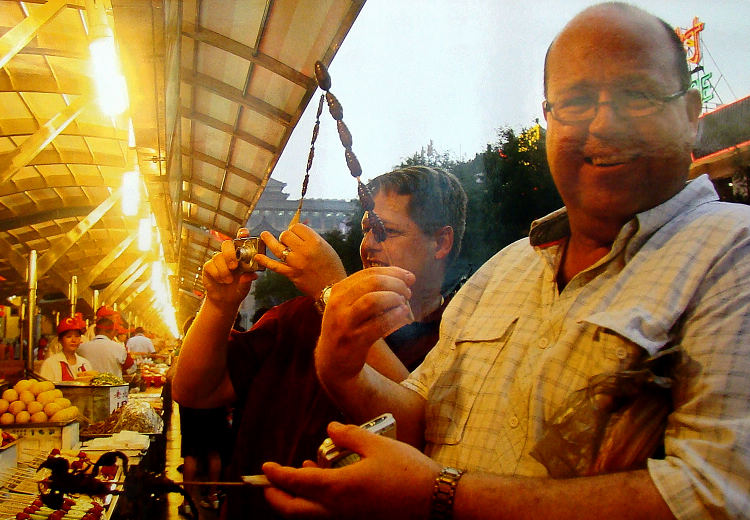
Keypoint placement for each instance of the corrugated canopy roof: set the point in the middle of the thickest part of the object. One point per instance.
(722, 146)
(216, 88)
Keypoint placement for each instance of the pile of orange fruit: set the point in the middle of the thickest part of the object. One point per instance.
(35, 401)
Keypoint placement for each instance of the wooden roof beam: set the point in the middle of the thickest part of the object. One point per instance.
(105, 262)
(55, 252)
(11, 163)
(16, 260)
(200, 204)
(134, 294)
(229, 129)
(236, 95)
(117, 292)
(220, 41)
(137, 267)
(213, 161)
(19, 36)
(44, 216)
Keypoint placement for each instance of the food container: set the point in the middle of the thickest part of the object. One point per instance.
(45, 436)
(9, 455)
(96, 403)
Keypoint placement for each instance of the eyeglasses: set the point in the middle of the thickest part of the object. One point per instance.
(626, 104)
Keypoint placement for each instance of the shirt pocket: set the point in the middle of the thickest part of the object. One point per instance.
(462, 376)
(625, 335)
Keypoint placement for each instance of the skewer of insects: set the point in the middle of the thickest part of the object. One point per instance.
(355, 169)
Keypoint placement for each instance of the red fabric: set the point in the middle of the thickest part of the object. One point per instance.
(65, 370)
(128, 362)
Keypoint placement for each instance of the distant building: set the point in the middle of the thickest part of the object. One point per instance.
(274, 211)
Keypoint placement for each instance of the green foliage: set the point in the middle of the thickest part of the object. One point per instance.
(473, 248)
(519, 187)
(346, 244)
(429, 157)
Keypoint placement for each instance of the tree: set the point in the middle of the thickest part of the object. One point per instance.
(429, 157)
(347, 244)
(470, 174)
(519, 187)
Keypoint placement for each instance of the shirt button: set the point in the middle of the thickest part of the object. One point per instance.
(621, 353)
(543, 342)
(513, 421)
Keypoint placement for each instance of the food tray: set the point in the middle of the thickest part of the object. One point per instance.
(13, 426)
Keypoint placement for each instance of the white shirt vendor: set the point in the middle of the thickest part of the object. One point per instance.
(104, 354)
(53, 370)
(140, 343)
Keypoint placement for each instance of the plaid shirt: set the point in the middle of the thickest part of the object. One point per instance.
(512, 347)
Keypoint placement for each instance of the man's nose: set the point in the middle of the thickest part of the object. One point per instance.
(606, 114)
(369, 241)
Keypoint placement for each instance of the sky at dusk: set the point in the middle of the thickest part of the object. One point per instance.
(455, 72)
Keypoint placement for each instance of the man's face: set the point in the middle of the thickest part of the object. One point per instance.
(613, 167)
(406, 246)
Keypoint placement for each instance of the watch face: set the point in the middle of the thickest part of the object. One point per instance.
(325, 295)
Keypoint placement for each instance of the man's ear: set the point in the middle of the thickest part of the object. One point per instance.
(694, 105)
(443, 242)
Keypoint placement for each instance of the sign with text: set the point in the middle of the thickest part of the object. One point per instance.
(701, 80)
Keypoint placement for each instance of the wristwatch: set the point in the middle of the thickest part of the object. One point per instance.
(441, 507)
(322, 300)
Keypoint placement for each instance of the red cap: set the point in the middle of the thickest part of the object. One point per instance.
(105, 324)
(104, 311)
(71, 324)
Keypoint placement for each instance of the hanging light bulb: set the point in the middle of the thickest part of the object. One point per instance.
(131, 193)
(131, 134)
(111, 89)
(144, 234)
(156, 275)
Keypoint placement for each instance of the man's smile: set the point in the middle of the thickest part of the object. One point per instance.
(605, 160)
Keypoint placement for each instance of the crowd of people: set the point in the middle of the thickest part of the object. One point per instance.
(107, 346)
(639, 262)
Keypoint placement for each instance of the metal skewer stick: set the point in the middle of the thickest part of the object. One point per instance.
(191, 482)
(310, 156)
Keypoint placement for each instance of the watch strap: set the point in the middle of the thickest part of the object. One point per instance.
(322, 299)
(443, 494)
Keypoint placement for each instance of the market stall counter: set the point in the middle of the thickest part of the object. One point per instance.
(129, 424)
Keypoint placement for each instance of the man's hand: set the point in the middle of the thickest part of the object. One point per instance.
(225, 284)
(363, 308)
(393, 480)
(310, 263)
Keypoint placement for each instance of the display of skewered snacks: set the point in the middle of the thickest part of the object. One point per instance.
(25, 507)
(26, 501)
